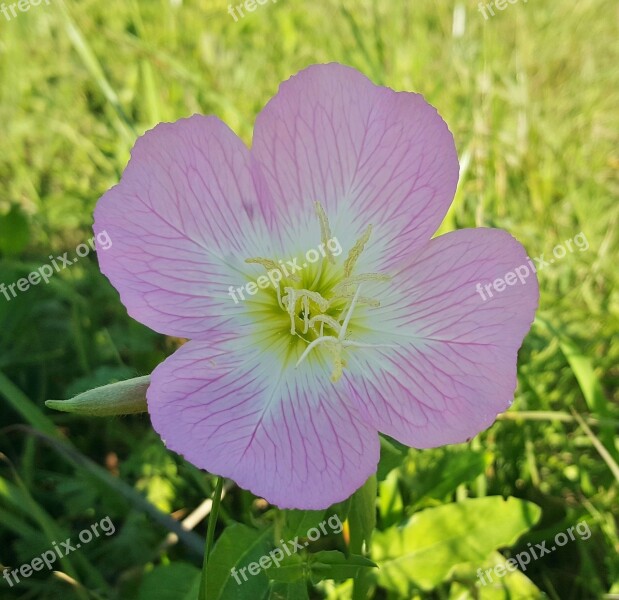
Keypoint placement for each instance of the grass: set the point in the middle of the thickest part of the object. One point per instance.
(531, 96)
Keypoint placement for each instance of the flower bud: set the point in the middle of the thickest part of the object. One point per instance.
(121, 398)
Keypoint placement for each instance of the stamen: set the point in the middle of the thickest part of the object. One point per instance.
(323, 303)
(270, 265)
(325, 230)
(355, 251)
(327, 338)
(337, 344)
(338, 363)
(306, 310)
(314, 308)
(267, 263)
(326, 319)
(290, 301)
(279, 297)
(348, 281)
(364, 300)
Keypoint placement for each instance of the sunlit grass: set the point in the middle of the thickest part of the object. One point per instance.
(531, 96)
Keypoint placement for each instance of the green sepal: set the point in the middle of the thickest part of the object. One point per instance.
(121, 398)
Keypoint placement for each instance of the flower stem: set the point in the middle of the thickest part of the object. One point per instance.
(210, 533)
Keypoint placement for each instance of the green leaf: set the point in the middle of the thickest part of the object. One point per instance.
(422, 552)
(362, 515)
(298, 522)
(14, 231)
(18, 496)
(514, 585)
(290, 570)
(93, 66)
(332, 564)
(590, 385)
(237, 547)
(25, 407)
(443, 477)
(326, 564)
(289, 591)
(120, 488)
(390, 504)
(341, 509)
(392, 454)
(592, 390)
(176, 581)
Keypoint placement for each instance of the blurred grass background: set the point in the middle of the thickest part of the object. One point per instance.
(532, 97)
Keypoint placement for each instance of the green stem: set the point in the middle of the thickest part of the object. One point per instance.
(362, 522)
(210, 533)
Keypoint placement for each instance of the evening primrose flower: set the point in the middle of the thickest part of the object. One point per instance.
(285, 392)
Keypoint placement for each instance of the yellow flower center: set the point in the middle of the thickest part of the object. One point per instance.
(316, 306)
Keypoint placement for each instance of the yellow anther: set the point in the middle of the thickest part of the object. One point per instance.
(355, 251)
(267, 263)
(322, 303)
(289, 300)
(363, 299)
(338, 362)
(306, 310)
(325, 231)
(311, 313)
(270, 265)
(357, 279)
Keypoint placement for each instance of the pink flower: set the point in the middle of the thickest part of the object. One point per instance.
(285, 392)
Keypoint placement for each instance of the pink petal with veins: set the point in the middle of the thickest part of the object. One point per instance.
(454, 365)
(287, 436)
(367, 153)
(185, 215)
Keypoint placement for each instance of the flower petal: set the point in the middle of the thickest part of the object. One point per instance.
(367, 153)
(454, 365)
(185, 215)
(286, 435)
